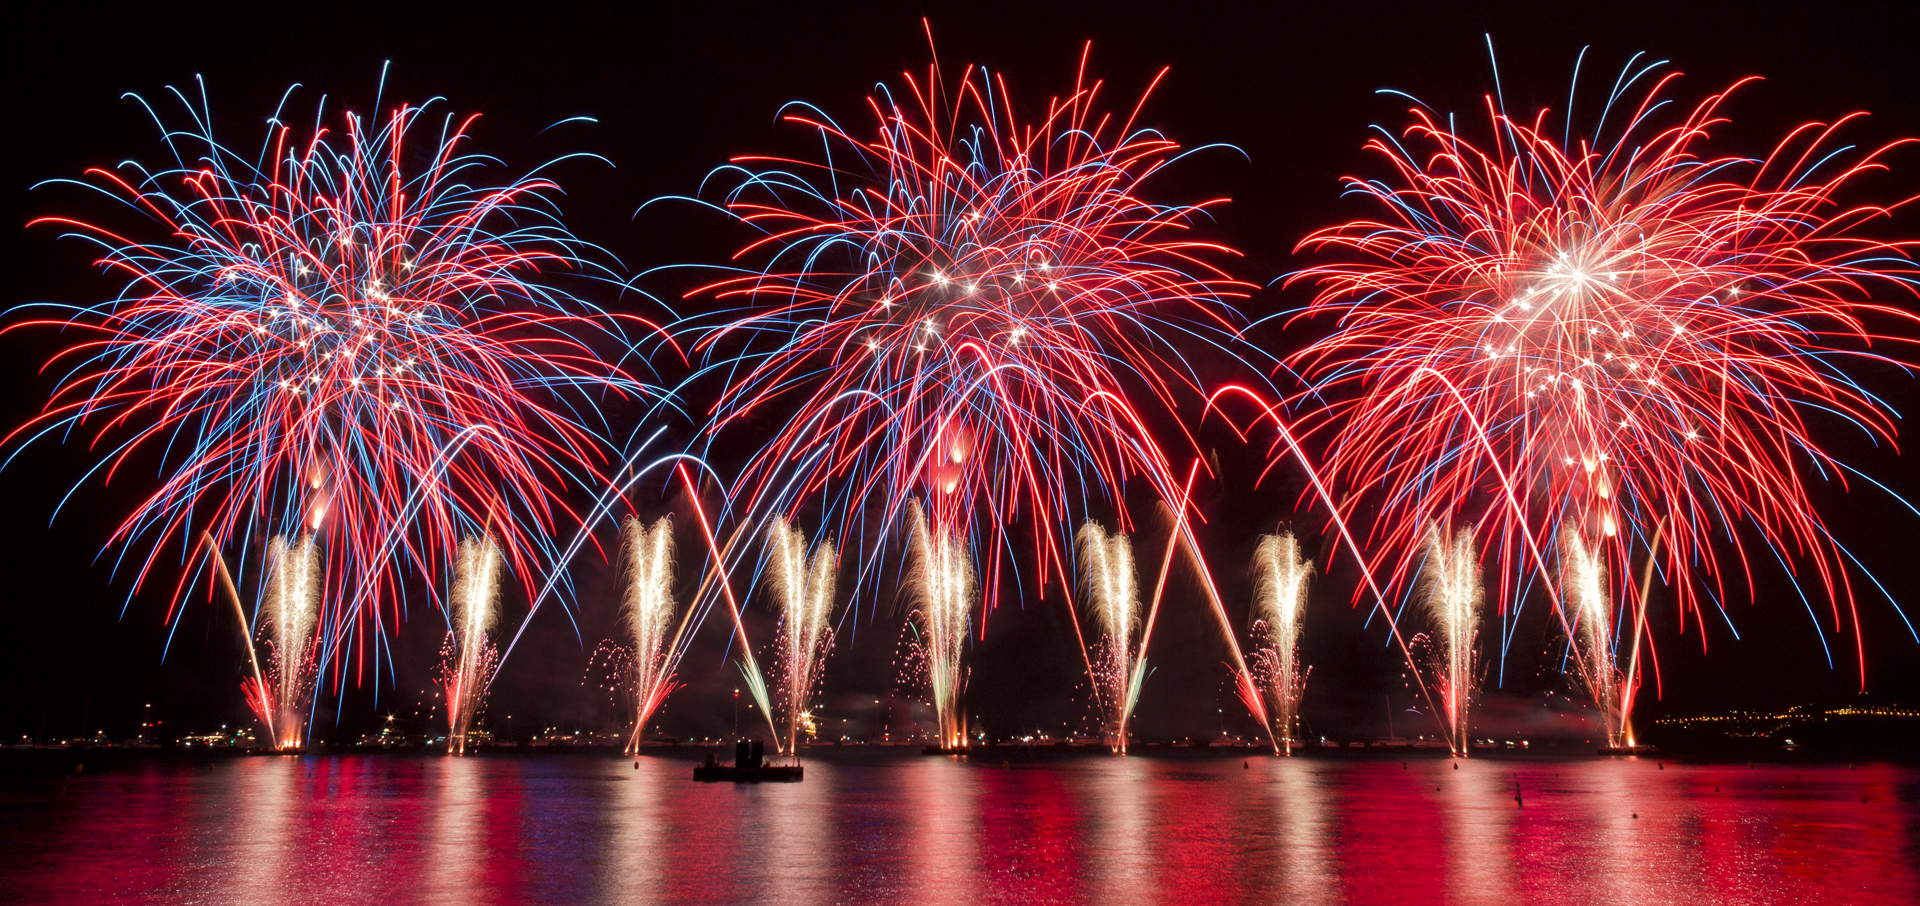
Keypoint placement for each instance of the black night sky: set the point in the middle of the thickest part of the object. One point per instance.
(676, 92)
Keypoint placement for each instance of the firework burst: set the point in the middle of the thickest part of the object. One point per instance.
(351, 337)
(1611, 337)
(965, 312)
(969, 327)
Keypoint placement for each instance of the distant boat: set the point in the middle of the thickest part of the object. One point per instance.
(749, 766)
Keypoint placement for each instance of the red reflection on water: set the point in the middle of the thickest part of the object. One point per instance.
(893, 827)
(1477, 812)
(937, 809)
(1029, 833)
(1302, 847)
(1119, 823)
(1382, 808)
(1196, 852)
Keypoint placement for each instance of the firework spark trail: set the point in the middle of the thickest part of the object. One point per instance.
(1286, 444)
(1601, 335)
(1176, 514)
(1106, 568)
(255, 687)
(646, 557)
(803, 591)
(1452, 594)
(717, 575)
(291, 607)
(941, 581)
(970, 328)
(1583, 587)
(470, 655)
(1279, 606)
(351, 334)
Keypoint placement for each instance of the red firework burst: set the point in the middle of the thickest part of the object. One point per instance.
(1620, 340)
(967, 325)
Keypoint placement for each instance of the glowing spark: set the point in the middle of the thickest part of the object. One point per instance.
(1279, 604)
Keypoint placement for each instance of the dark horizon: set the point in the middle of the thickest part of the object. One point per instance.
(677, 94)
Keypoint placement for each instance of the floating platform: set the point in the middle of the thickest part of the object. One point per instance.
(1628, 750)
(749, 766)
(766, 773)
(944, 750)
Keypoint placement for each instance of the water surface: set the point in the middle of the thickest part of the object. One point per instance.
(892, 827)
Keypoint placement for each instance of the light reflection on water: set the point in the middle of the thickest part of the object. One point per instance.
(1478, 809)
(892, 827)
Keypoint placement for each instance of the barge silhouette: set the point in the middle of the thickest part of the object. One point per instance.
(749, 766)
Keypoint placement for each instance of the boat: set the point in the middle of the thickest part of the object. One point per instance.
(749, 766)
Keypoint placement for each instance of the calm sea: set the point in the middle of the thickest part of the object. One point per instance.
(892, 827)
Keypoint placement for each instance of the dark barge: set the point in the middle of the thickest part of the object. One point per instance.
(749, 766)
